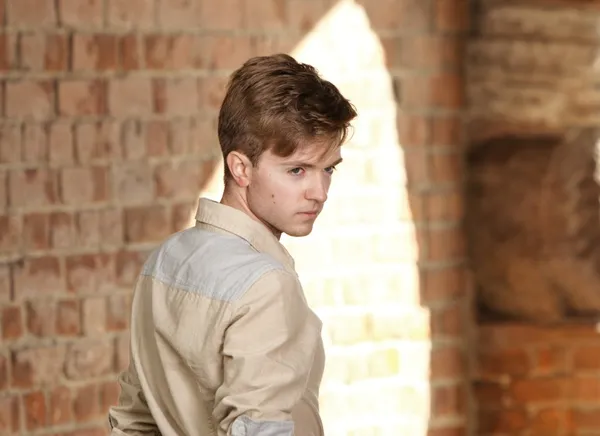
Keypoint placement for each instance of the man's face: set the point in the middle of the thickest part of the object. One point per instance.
(287, 194)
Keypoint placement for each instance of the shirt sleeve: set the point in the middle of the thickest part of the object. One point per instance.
(131, 416)
(268, 350)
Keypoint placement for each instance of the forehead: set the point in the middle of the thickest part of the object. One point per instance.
(312, 153)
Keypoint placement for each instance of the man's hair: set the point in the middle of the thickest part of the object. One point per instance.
(276, 103)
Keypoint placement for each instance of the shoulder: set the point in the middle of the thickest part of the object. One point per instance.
(217, 266)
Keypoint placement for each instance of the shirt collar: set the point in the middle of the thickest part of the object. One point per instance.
(238, 223)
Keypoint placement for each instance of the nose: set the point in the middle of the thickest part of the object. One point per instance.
(318, 188)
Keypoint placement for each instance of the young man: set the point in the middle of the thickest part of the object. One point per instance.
(222, 339)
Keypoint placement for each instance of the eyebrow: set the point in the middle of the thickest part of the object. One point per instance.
(308, 165)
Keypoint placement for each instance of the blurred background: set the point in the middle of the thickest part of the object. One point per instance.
(455, 265)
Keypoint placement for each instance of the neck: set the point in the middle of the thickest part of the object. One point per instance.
(238, 200)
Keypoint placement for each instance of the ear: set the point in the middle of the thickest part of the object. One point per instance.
(240, 168)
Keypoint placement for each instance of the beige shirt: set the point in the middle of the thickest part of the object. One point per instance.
(222, 339)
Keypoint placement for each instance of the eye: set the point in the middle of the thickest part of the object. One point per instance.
(330, 170)
(296, 171)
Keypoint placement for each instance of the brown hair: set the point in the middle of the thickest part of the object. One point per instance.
(274, 103)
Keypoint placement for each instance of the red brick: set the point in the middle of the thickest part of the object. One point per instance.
(181, 136)
(448, 321)
(60, 143)
(443, 284)
(12, 323)
(82, 97)
(93, 315)
(8, 51)
(304, 15)
(413, 130)
(448, 401)
(177, 97)
(408, 15)
(550, 360)
(528, 391)
(134, 140)
(129, 265)
(38, 276)
(184, 179)
(37, 366)
(63, 233)
(109, 395)
(29, 99)
(508, 362)
(504, 421)
(548, 420)
(33, 187)
(31, 13)
(5, 283)
(86, 403)
(583, 388)
(427, 52)
(34, 405)
(68, 320)
(437, 91)
(179, 14)
(111, 227)
(446, 167)
(133, 183)
(146, 224)
(41, 317)
(444, 206)
(173, 52)
(267, 14)
(446, 244)
(157, 138)
(226, 52)
(44, 52)
(130, 14)
(10, 233)
(36, 231)
(10, 143)
(98, 141)
(81, 13)
(447, 363)
(10, 414)
(211, 91)
(88, 228)
(452, 15)
(131, 96)
(90, 273)
(586, 418)
(448, 131)
(95, 52)
(89, 358)
(131, 53)
(118, 309)
(3, 191)
(489, 393)
(4, 373)
(182, 215)
(586, 358)
(35, 144)
(60, 406)
(84, 185)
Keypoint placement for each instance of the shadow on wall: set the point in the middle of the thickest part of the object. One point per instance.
(384, 265)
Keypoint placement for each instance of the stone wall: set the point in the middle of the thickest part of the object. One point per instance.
(107, 138)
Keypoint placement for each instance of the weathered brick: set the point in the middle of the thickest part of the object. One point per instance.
(84, 185)
(446, 244)
(44, 52)
(178, 97)
(32, 187)
(178, 14)
(111, 227)
(266, 14)
(134, 139)
(60, 143)
(5, 283)
(8, 51)
(182, 215)
(12, 323)
(35, 144)
(183, 179)
(303, 15)
(82, 97)
(10, 233)
(88, 358)
(131, 96)
(128, 14)
(60, 410)
(443, 284)
(4, 372)
(157, 138)
(146, 223)
(117, 312)
(129, 265)
(447, 363)
(68, 321)
(37, 366)
(94, 316)
(173, 52)
(3, 191)
(86, 403)
(533, 390)
(441, 91)
(98, 141)
(133, 183)
(88, 228)
(586, 358)
(63, 232)
(90, 273)
(408, 15)
(29, 99)
(31, 13)
(451, 15)
(41, 317)
(10, 408)
(448, 401)
(95, 52)
(83, 14)
(226, 52)
(122, 352)
(10, 143)
(35, 408)
(131, 52)
(109, 395)
(510, 362)
(38, 276)
(36, 231)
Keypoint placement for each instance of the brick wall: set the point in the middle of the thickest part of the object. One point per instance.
(107, 138)
(531, 67)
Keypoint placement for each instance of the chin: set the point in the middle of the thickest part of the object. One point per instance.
(298, 232)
